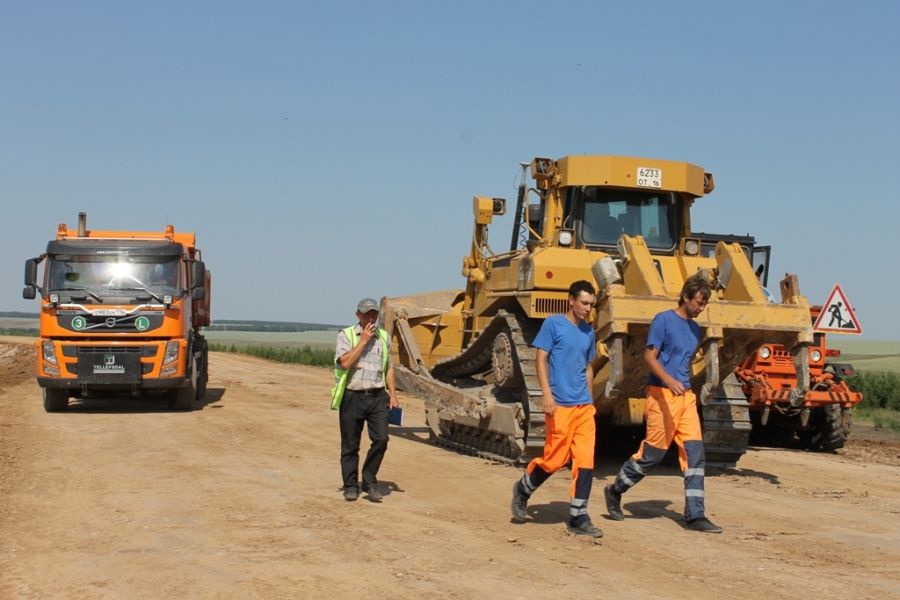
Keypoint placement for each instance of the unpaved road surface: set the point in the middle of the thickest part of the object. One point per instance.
(240, 499)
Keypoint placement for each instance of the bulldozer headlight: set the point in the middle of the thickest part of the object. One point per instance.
(565, 238)
(691, 247)
(815, 355)
(764, 352)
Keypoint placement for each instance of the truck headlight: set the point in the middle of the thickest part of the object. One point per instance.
(171, 352)
(764, 352)
(815, 355)
(49, 352)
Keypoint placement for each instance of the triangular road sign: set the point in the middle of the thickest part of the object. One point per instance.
(837, 316)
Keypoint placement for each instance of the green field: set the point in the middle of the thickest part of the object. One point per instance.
(318, 340)
(866, 355)
(18, 323)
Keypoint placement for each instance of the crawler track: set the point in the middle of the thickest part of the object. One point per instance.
(479, 361)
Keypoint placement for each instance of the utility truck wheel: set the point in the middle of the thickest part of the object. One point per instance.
(55, 400)
(825, 432)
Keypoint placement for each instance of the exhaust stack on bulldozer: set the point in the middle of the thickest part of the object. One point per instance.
(624, 222)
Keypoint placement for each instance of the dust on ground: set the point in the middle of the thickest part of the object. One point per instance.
(241, 498)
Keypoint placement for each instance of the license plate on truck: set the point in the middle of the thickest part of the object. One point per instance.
(109, 367)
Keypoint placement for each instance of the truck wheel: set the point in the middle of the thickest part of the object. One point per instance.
(203, 371)
(55, 400)
(184, 398)
(825, 432)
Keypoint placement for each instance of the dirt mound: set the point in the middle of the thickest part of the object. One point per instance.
(17, 363)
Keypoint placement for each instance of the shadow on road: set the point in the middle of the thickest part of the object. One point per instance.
(148, 403)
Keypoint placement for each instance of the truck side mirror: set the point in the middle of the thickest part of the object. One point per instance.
(28, 292)
(31, 272)
(198, 275)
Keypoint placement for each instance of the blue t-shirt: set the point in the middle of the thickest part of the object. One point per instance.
(677, 340)
(570, 349)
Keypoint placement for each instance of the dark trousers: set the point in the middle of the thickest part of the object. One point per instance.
(356, 410)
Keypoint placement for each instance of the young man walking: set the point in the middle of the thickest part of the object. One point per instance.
(671, 407)
(565, 344)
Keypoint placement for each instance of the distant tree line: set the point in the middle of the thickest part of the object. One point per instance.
(268, 326)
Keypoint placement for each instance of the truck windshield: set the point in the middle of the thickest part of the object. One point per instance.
(110, 276)
(606, 214)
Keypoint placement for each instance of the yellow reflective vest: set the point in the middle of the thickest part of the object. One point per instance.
(342, 375)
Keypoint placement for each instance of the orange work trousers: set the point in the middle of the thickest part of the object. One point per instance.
(670, 418)
(571, 434)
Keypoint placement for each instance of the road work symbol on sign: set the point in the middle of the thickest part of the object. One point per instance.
(837, 316)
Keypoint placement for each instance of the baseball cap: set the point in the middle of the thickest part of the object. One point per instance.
(366, 304)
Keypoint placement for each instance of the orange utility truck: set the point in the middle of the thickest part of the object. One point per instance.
(121, 313)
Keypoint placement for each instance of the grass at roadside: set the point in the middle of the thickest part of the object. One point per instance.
(880, 418)
(881, 398)
(305, 355)
(18, 331)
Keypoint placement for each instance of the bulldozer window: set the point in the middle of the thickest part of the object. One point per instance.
(606, 214)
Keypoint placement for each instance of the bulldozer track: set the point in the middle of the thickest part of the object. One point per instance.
(726, 424)
(523, 388)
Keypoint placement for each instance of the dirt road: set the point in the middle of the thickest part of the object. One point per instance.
(240, 499)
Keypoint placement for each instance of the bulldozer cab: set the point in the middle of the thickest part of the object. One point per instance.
(589, 202)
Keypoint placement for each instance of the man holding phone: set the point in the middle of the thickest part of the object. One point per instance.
(364, 392)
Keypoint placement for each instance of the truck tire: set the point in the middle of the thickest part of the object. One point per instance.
(183, 398)
(202, 369)
(55, 400)
(825, 432)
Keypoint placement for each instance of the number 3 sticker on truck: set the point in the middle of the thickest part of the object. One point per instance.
(649, 177)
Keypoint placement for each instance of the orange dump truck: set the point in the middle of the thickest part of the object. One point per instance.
(121, 314)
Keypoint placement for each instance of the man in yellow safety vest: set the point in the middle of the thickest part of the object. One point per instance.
(364, 391)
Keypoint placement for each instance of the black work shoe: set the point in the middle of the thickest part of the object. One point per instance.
(519, 503)
(372, 493)
(703, 524)
(613, 503)
(351, 493)
(585, 528)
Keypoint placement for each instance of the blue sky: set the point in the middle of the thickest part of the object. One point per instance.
(328, 151)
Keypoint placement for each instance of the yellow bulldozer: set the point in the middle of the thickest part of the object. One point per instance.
(625, 223)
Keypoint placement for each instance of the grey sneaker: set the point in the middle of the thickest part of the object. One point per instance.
(351, 493)
(519, 503)
(613, 503)
(703, 524)
(585, 528)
